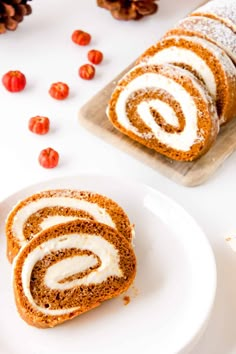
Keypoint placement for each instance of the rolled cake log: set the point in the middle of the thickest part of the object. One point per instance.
(204, 59)
(69, 269)
(223, 11)
(47, 208)
(210, 29)
(167, 109)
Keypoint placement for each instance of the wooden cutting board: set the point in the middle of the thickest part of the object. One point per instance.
(92, 116)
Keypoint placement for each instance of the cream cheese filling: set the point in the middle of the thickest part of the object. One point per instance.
(56, 219)
(66, 268)
(163, 108)
(24, 213)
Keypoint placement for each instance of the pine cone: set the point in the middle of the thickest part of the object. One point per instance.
(129, 9)
(12, 12)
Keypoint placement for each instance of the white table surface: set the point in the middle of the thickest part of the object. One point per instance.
(43, 50)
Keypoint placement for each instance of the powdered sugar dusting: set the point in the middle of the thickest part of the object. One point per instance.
(213, 31)
(224, 10)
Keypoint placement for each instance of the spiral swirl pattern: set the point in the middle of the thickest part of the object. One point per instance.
(165, 108)
(48, 208)
(69, 269)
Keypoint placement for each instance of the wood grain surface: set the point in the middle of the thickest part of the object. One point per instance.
(93, 116)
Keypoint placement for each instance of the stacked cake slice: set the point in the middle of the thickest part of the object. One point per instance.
(183, 88)
(72, 250)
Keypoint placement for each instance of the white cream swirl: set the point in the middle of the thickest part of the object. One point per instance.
(182, 140)
(100, 214)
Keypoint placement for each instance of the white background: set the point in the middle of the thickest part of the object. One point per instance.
(43, 50)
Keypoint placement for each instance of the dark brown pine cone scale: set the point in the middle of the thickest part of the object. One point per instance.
(129, 9)
(12, 12)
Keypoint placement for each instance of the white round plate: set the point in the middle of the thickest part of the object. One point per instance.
(171, 299)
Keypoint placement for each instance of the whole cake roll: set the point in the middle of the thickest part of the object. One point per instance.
(204, 59)
(69, 269)
(166, 108)
(44, 209)
(210, 29)
(224, 11)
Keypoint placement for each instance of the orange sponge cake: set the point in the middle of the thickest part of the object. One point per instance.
(165, 108)
(47, 208)
(204, 59)
(69, 269)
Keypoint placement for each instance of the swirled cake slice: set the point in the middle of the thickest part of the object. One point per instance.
(167, 109)
(44, 209)
(69, 269)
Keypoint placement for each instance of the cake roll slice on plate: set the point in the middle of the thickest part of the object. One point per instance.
(167, 109)
(224, 11)
(205, 60)
(44, 209)
(69, 269)
(210, 29)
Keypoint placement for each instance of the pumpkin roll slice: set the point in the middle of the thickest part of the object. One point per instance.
(224, 11)
(204, 59)
(44, 209)
(167, 109)
(69, 269)
(210, 29)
